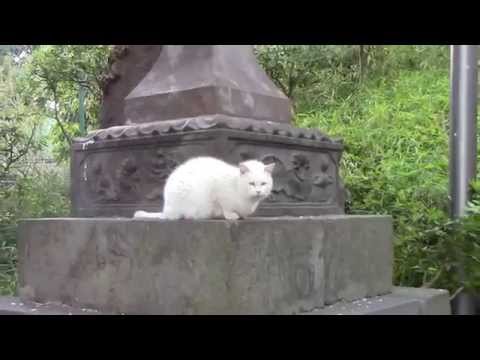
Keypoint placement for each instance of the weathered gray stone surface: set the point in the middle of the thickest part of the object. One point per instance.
(128, 66)
(10, 305)
(194, 80)
(432, 301)
(402, 301)
(353, 256)
(255, 266)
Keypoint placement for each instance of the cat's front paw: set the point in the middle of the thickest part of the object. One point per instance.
(231, 215)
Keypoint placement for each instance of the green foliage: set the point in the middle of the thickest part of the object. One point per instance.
(39, 84)
(40, 192)
(8, 255)
(53, 76)
(468, 235)
(297, 69)
(315, 75)
(28, 188)
(17, 121)
(395, 126)
(452, 249)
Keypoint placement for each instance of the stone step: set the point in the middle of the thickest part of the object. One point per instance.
(10, 305)
(402, 301)
(254, 266)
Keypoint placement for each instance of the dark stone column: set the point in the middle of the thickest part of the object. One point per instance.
(195, 80)
(128, 66)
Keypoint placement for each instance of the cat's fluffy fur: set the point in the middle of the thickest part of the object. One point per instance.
(208, 188)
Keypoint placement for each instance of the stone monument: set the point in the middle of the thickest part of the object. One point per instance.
(199, 100)
(298, 254)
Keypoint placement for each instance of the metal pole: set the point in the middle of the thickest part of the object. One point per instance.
(81, 109)
(463, 133)
(463, 139)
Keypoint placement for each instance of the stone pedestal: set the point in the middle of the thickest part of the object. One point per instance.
(186, 101)
(255, 266)
(123, 169)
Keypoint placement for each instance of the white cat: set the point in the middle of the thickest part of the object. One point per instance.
(207, 188)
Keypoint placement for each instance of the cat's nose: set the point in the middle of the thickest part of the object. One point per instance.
(258, 192)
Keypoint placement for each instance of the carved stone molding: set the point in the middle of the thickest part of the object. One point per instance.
(121, 170)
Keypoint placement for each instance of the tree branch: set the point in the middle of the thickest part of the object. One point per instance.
(434, 280)
(11, 158)
(291, 81)
(27, 146)
(277, 81)
(57, 117)
(361, 61)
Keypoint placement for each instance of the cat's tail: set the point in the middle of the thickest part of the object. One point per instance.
(145, 214)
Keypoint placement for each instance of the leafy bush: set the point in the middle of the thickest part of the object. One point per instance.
(396, 162)
(307, 73)
(52, 76)
(39, 88)
(40, 193)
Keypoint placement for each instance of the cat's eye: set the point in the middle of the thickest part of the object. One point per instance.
(251, 184)
(263, 183)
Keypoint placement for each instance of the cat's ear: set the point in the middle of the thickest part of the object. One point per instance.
(269, 168)
(243, 168)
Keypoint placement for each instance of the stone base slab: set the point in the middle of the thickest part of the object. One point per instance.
(402, 301)
(255, 266)
(10, 305)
